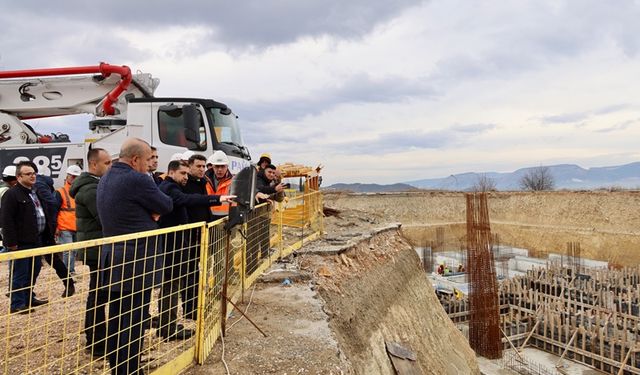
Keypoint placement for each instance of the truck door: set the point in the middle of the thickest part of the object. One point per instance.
(171, 132)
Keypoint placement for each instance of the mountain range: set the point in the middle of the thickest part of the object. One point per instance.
(566, 176)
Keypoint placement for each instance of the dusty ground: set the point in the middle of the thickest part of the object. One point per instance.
(341, 309)
(34, 343)
(299, 338)
(322, 319)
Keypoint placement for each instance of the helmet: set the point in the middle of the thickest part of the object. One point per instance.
(218, 158)
(187, 154)
(9, 171)
(74, 170)
(264, 157)
(177, 156)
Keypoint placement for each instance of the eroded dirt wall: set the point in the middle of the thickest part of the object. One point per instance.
(607, 224)
(376, 292)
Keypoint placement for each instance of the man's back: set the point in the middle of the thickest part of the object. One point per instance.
(126, 199)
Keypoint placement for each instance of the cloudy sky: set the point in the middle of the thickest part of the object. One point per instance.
(376, 91)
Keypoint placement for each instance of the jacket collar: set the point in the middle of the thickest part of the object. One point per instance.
(24, 188)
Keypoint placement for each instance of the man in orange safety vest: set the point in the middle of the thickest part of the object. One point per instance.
(220, 179)
(66, 229)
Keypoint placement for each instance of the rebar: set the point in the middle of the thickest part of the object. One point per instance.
(484, 324)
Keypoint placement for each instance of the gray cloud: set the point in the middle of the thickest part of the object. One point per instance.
(575, 117)
(619, 126)
(566, 118)
(359, 88)
(235, 26)
(403, 140)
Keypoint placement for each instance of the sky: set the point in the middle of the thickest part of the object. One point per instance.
(375, 91)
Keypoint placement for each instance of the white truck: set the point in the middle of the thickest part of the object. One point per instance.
(123, 105)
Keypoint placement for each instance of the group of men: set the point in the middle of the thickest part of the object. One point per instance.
(125, 197)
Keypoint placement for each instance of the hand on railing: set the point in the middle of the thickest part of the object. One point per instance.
(261, 196)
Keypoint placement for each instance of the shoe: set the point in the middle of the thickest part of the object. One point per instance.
(69, 290)
(179, 333)
(21, 310)
(95, 351)
(38, 302)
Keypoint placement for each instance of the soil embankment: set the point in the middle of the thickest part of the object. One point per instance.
(376, 293)
(607, 224)
(354, 291)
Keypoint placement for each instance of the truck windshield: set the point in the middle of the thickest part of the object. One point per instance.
(225, 127)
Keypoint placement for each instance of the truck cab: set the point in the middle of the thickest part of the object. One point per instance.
(200, 125)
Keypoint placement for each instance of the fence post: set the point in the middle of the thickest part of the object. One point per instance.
(243, 249)
(223, 300)
(280, 231)
(321, 212)
(202, 284)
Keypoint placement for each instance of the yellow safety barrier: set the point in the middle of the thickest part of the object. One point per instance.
(174, 290)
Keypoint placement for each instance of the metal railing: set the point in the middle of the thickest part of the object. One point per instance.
(173, 288)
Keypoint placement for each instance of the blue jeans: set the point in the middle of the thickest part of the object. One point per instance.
(24, 275)
(68, 257)
(6, 250)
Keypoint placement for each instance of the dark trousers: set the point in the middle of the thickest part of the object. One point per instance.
(265, 238)
(172, 289)
(260, 243)
(23, 277)
(125, 330)
(190, 275)
(189, 283)
(95, 324)
(55, 261)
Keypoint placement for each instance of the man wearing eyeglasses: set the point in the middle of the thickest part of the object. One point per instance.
(26, 225)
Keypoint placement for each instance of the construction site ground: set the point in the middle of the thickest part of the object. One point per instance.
(544, 359)
(285, 304)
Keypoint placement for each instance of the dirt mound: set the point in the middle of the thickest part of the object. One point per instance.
(376, 293)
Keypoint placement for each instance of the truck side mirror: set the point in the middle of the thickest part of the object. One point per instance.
(192, 122)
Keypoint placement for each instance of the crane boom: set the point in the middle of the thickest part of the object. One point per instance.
(95, 90)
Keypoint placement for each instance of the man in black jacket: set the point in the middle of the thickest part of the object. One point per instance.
(196, 184)
(84, 190)
(176, 279)
(26, 225)
(265, 184)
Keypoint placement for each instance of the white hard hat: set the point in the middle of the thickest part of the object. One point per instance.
(9, 171)
(74, 170)
(218, 158)
(187, 154)
(176, 157)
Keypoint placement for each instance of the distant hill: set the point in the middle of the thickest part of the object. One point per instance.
(371, 188)
(567, 176)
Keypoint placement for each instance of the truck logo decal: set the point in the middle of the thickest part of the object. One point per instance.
(48, 160)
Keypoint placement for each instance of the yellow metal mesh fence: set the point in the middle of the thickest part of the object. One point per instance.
(158, 303)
